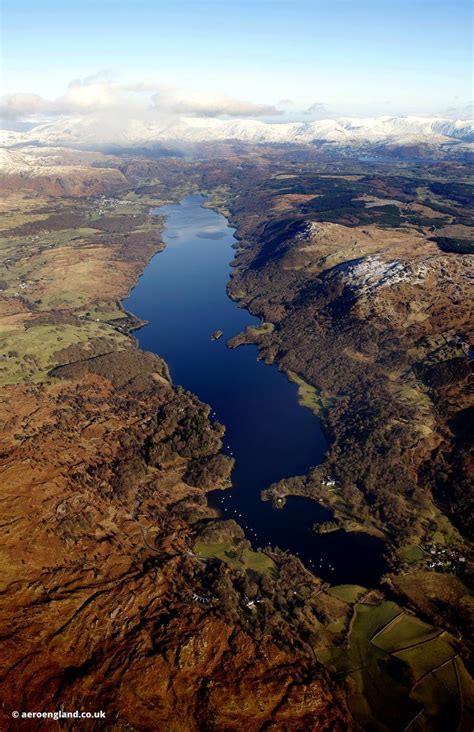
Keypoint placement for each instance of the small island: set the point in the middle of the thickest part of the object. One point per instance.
(326, 527)
(216, 335)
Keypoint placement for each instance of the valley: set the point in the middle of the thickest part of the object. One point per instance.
(118, 552)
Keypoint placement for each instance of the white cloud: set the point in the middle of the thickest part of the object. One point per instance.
(20, 106)
(101, 94)
(459, 111)
(317, 109)
(210, 105)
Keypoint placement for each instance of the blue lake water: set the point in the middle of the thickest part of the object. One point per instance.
(182, 295)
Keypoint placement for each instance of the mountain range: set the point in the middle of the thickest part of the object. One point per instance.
(94, 131)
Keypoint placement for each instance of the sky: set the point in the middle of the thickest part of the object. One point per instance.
(276, 59)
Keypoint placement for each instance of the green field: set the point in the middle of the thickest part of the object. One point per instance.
(402, 632)
(28, 355)
(347, 593)
(247, 559)
(398, 667)
(310, 397)
(104, 311)
(427, 656)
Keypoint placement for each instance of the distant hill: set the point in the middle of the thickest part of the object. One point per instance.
(346, 132)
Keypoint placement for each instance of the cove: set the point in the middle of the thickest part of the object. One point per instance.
(182, 296)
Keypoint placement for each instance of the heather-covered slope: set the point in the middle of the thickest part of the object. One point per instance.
(105, 603)
(122, 590)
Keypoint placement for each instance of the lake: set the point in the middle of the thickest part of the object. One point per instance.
(182, 294)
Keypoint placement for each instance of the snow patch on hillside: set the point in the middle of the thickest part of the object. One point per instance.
(83, 131)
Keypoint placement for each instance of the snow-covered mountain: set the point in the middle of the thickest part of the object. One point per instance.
(90, 131)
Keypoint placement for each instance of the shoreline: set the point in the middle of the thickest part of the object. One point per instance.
(92, 452)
